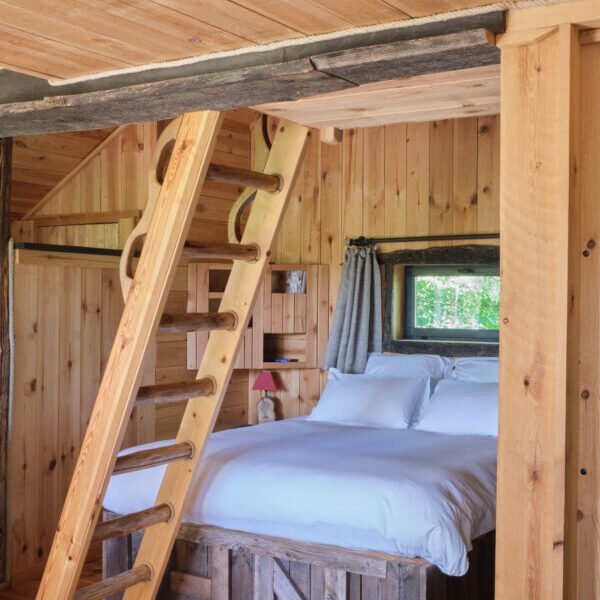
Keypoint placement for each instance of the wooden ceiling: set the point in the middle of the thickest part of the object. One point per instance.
(61, 39)
(454, 94)
(41, 161)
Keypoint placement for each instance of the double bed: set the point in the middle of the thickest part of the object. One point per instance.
(333, 509)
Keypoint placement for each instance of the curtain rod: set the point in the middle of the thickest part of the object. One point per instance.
(364, 241)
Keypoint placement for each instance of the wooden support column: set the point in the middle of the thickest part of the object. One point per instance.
(544, 212)
(5, 177)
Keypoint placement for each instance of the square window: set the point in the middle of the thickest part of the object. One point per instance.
(457, 303)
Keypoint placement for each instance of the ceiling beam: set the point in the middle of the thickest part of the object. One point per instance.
(411, 58)
(296, 71)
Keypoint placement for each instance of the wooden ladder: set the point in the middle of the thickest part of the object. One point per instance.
(181, 166)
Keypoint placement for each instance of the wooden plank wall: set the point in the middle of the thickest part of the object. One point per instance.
(404, 179)
(65, 320)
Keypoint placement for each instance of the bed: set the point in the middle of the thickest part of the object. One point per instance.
(409, 499)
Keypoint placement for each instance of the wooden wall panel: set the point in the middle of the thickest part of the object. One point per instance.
(64, 326)
(405, 179)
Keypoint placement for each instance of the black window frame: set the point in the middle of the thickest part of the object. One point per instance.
(412, 333)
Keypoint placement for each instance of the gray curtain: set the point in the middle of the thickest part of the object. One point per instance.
(356, 328)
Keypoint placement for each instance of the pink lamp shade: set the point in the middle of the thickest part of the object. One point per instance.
(265, 382)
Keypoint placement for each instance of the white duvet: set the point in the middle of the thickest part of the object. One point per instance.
(410, 493)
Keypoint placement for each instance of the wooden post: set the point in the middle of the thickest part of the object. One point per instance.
(547, 542)
(5, 178)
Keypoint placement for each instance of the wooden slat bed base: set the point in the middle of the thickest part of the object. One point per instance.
(219, 564)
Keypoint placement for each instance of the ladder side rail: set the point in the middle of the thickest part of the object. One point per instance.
(168, 229)
(219, 356)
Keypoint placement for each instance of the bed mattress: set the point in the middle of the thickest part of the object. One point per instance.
(409, 493)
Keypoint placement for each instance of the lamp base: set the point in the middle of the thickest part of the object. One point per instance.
(265, 410)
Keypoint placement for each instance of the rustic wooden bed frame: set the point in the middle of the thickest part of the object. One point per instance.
(212, 563)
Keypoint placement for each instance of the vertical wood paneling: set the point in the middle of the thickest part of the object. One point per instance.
(310, 249)
(441, 137)
(464, 176)
(535, 221)
(352, 182)
(404, 179)
(488, 175)
(417, 179)
(395, 181)
(62, 317)
(374, 182)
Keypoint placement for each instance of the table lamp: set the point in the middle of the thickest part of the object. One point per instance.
(265, 382)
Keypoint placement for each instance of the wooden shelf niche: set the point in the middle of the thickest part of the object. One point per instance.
(290, 320)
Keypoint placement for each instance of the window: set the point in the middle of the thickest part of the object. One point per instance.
(452, 303)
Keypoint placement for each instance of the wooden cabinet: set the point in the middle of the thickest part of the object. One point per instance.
(290, 321)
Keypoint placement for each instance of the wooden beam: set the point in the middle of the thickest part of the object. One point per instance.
(244, 178)
(187, 322)
(365, 562)
(114, 585)
(167, 99)
(537, 210)
(278, 75)
(153, 457)
(437, 96)
(176, 391)
(5, 179)
(199, 250)
(130, 523)
(411, 58)
(582, 13)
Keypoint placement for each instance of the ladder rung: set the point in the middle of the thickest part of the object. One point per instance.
(174, 392)
(197, 250)
(114, 585)
(186, 322)
(244, 177)
(144, 459)
(134, 522)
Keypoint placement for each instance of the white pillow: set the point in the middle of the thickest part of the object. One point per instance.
(462, 408)
(389, 402)
(482, 370)
(409, 365)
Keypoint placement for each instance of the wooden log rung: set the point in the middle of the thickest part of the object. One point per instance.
(153, 457)
(114, 585)
(163, 393)
(187, 322)
(133, 522)
(244, 177)
(197, 251)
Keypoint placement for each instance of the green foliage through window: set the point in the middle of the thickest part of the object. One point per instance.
(453, 303)
(457, 302)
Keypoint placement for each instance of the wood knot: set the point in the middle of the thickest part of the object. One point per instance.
(52, 465)
(483, 129)
(591, 244)
(585, 394)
